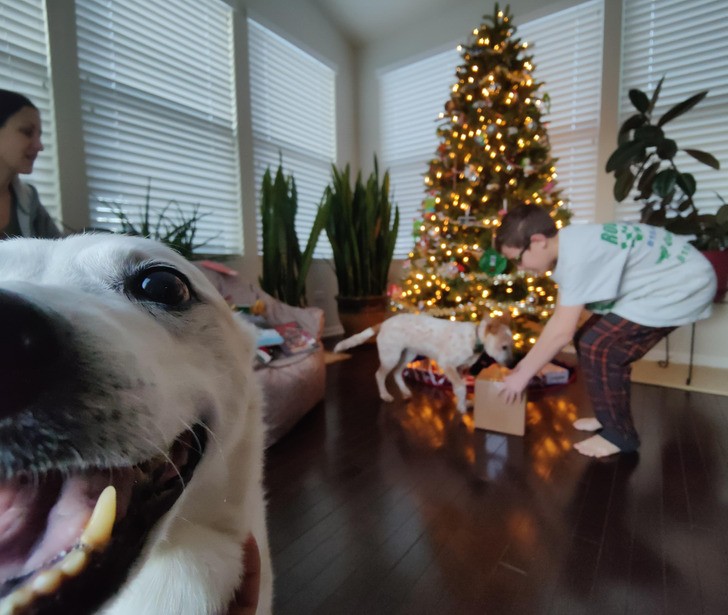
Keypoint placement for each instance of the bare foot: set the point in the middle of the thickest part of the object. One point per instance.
(596, 446)
(589, 424)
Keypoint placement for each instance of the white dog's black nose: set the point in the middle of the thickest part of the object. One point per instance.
(29, 348)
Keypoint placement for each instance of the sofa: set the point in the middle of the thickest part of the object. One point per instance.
(292, 385)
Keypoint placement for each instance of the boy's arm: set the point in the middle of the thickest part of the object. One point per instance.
(557, 333)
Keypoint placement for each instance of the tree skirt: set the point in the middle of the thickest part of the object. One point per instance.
(426, 371)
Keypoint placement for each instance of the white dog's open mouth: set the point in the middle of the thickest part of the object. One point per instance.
(67, 542)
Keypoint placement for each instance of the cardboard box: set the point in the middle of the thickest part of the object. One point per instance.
(491, 412)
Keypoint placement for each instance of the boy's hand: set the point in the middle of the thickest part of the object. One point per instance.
(513, 385)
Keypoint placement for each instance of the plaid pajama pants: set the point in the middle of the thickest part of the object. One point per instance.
(607, 346)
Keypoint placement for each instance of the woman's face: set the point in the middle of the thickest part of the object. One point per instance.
(20, 141)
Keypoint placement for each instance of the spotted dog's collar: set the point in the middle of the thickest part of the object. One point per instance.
(479, 347)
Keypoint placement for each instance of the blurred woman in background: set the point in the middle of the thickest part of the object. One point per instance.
(21, 212)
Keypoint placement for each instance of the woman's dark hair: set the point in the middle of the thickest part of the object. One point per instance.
(520, 223)
(11, 103)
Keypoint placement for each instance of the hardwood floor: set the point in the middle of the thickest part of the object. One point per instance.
(406, 508)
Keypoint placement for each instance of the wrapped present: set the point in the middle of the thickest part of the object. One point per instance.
(555, 374)
(426, 371)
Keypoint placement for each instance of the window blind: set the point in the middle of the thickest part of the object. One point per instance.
(687, 45)
(411, 99)
(24, 68)
(571, 69)
(157, 95)
(293, 109)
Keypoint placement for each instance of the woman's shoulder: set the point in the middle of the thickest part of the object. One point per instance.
(26, 194)
(33, 218)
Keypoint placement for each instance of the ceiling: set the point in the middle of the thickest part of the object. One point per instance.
(363, 21)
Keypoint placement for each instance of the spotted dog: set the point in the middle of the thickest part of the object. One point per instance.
(131, 437)
(455, 346)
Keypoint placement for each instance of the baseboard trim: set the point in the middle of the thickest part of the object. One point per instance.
(704, 379)
(333, 331)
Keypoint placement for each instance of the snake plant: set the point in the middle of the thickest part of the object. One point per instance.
(285, 267)
(362, 231)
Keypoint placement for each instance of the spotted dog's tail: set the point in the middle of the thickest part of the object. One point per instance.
(356, 339)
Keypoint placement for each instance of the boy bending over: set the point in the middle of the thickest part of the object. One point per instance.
(640, 282)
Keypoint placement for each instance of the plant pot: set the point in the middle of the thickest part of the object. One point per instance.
(359, 313)
(719, 260)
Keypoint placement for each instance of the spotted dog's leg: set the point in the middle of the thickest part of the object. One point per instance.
(458, 386)
(388, 359)
(407, 357)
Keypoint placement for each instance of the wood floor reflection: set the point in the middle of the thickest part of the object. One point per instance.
(406, 508)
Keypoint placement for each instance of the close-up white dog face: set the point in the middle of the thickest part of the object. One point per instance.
(121, 365)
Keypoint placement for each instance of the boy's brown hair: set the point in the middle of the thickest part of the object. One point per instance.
(520, 223)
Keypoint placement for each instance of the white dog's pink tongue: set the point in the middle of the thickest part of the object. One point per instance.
(71, 519)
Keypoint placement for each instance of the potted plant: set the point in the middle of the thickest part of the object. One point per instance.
(177, 229)
(712, 240)
(645, 161)
(285, 267)
(362, 229)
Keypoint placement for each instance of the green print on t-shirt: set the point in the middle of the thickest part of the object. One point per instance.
(624, 235)
(609, 233)
(682, 257)
(665, 248)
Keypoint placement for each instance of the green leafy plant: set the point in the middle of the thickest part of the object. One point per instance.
(645, 159)
(712, 231)
(285, 267)
(177, 229)
(362, 230)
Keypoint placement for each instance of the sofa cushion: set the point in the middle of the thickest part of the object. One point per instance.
(291, 385)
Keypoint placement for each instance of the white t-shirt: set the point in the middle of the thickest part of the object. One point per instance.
(639, 272)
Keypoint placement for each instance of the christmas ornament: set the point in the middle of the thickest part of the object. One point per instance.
(448, 270)
(416, 229)
(492, 262)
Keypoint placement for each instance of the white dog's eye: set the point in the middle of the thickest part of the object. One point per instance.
(162, 285)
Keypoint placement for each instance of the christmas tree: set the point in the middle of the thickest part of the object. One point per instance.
(494, 152)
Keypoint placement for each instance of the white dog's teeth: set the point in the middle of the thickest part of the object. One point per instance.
(98, 529)
(96, 536)
(47, 582)
(74, 563)
(15, 601)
